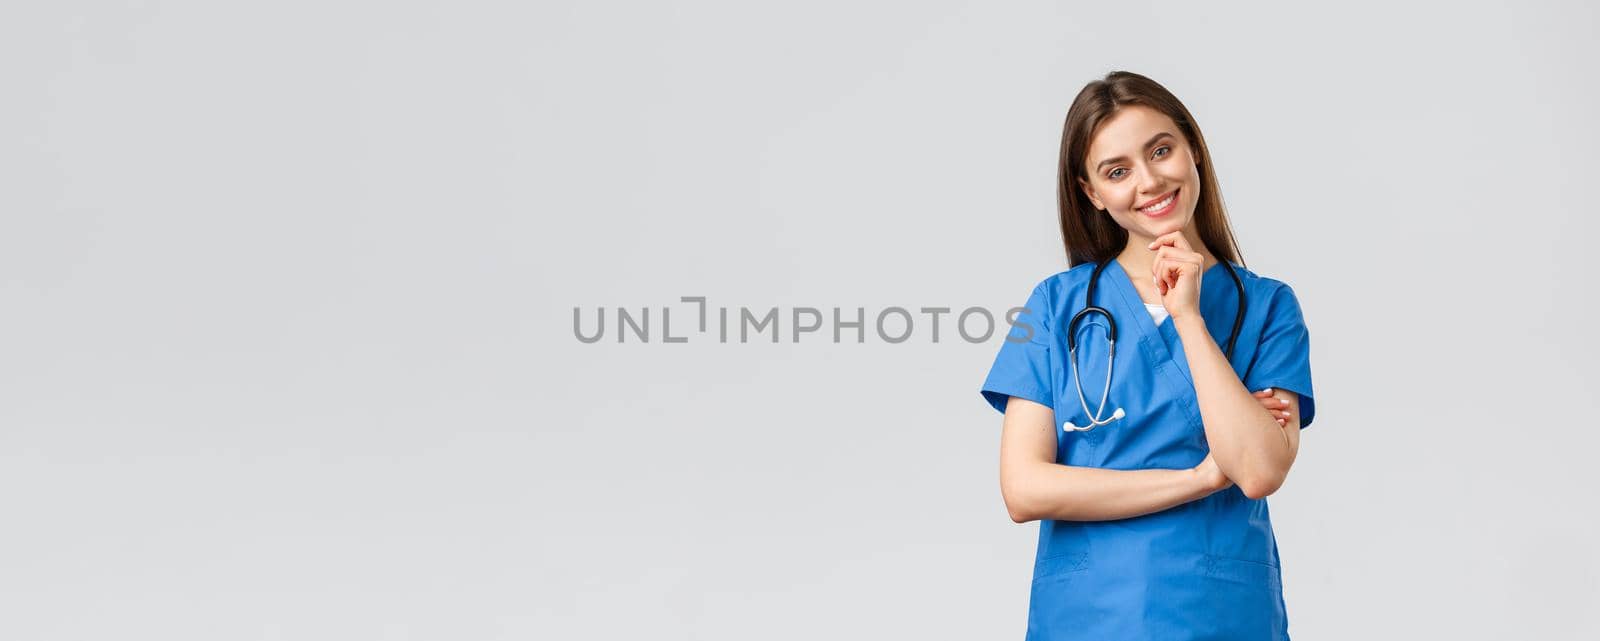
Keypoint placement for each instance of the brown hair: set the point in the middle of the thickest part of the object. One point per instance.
(1088, 234)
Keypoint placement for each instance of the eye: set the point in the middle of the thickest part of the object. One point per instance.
(1160, 152)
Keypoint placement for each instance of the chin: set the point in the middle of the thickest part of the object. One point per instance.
(1178, 223)
(1157, 228)
(1168, 227)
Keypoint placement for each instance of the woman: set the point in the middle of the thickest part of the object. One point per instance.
(1152, 510)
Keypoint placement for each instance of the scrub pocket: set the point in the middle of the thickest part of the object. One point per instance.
(1252, 592)
(1060, 566)
(1243, 572)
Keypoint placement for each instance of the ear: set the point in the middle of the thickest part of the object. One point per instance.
(1089, 191)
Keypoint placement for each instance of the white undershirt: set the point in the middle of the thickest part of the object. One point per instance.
(1157, 313)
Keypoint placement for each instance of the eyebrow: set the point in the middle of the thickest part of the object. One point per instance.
(1152, 141)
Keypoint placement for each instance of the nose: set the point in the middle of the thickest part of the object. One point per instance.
(1148, 183)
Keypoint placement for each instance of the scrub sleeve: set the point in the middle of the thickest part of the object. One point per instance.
(1283, 360)
(1022, 368)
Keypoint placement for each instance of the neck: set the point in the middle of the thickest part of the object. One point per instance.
(1136, 258)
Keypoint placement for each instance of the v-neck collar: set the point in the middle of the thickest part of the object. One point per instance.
(1158, 341)
(1131, 296)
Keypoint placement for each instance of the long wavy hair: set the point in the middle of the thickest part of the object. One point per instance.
(1090, 235)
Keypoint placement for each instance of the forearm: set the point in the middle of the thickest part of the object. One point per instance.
(1249, 446)
(1072, 493)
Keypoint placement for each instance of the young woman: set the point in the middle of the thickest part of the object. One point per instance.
(1145, 434)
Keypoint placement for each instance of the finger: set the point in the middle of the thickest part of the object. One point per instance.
(1271, 402)
(1169, 238)
(1161, 267)
(1172, 239)
(1182, 256)
(1171, 270)
(1172, 257)
(1155, 263)
(1163, 276)
(1267, 391)
(1161, 253)
(1274, 408)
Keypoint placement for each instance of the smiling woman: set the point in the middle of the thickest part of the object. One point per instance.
(1145, 148)
(1154, 520)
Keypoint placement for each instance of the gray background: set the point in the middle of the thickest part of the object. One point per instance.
(288, 293)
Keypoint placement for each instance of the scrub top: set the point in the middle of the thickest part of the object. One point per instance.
(1207, 569)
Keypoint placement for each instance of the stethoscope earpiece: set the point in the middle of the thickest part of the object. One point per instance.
(1115, 416)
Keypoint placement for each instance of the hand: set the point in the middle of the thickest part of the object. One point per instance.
(1210, 475)
(1177, 271)
(1277, 407)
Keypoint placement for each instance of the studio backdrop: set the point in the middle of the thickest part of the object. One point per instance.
(472, 320)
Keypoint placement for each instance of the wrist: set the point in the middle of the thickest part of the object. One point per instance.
(1188, 319)
(1195, 483)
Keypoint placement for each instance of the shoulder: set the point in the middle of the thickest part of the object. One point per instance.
(1261, 285)
(1052, 296)
(1063, 284)
(1275, 296)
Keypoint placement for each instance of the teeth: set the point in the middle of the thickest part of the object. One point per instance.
(1158, 206)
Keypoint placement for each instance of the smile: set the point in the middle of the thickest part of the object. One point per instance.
(1161, 208)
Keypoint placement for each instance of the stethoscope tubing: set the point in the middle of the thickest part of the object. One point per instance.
(1089, 308)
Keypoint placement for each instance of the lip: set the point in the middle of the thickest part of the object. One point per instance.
(1157, 199)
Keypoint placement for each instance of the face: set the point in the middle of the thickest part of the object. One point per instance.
(1136, 160)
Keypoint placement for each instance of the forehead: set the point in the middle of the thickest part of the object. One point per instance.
(1125, 133)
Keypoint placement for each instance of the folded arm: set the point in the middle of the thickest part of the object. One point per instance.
(1253, 450)
(1035, 487)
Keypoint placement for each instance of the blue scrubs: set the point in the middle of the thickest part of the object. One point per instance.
(1207, 569)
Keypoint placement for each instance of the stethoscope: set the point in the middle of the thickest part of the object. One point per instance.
(1111, 337)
